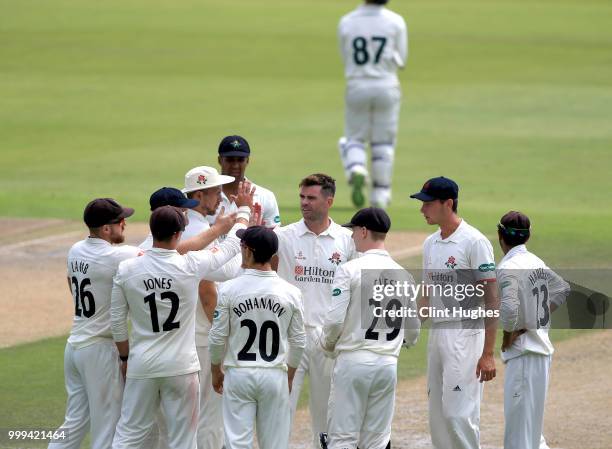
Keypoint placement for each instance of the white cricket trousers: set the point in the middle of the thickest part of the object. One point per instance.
(210, 427)
(372, 111)
(179, 397)
(256, 398)
(95, 386)
(525, 387)
(319, 369)
(454, 390)
(362, 400)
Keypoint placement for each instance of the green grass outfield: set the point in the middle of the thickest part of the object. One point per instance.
(513, 99)
(32, 387)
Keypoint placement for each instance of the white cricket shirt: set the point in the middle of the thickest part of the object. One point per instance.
(259, 316)
(198, 223)
(373, 43)
(350, 324)
(92, 263)
(309, 261)
(527, 288)
(463, 258)
(160, 292)
(263, 196)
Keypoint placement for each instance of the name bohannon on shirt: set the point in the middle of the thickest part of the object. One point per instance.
(263, 303)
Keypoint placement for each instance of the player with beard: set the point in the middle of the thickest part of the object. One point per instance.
(309, 252)
(91, 358)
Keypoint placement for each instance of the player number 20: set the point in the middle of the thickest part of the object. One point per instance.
(361, 55)
(266, 326)
(84, 303)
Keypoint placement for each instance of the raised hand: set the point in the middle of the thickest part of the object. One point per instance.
(245, 195)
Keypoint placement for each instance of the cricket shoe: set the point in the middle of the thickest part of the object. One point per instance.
(358, 183)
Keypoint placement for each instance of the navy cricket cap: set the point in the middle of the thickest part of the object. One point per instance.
(103, 211)
(169, 196)
(372, 218)
(260, 240)
(439, 188)
(234, 146)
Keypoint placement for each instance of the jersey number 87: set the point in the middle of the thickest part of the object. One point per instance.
(361, 56)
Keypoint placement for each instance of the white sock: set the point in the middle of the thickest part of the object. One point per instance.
(353, 154)
(382, 172)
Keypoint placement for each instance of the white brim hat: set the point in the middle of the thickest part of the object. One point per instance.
(200, 178)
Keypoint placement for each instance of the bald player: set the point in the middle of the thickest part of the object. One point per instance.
(460, 348)
(367, 343)
(91, 362)
(309, 252)
(259, 325)
(524, 281)
(374, 45)
(159, 291)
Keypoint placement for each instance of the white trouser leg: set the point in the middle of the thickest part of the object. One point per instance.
(319, 373)
(180, 400)
(76, 422)
(210, 427)
(239, 408)
(273, 422)
(376, 427)
(459, 351)
(437, 424)
(298, 381)
(141, 400)
(354, 158)
(525, 386)
(382, 172)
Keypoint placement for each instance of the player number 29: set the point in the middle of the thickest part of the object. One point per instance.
(361, 55)
(84, 303)
(392, 323)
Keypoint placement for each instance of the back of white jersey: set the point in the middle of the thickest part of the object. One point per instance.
(373, 42)
(527, 289)
(261, 315)
(369, 323)
(92, 263)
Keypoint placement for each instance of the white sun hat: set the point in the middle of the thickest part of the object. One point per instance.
(200, 178)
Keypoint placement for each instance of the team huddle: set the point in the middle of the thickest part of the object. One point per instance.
(203, 335)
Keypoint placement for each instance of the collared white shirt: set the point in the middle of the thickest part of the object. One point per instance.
(373, 42)
(463, 258)
(159, 290)
(91, 265)
(198, 223)
(351, 324)
(309, 261)
(259, 320)
(527, 288)
(263, 196)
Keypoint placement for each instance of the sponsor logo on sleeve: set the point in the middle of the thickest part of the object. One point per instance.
(215, 314)
(277, 219)
(483, 268)
(336, 292)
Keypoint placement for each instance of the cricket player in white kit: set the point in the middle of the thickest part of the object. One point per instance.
(91, 362)
(374, 44)
(524, 281)
(234, 154)
(365, 371)
(160, 292)
(460, 348)
(259, 325)
(309, 252)
(169, 196)
(203, 184)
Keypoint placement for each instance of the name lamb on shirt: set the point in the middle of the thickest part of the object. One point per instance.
(258, 303)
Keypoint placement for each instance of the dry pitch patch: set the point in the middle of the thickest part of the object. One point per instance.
(37, 301)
